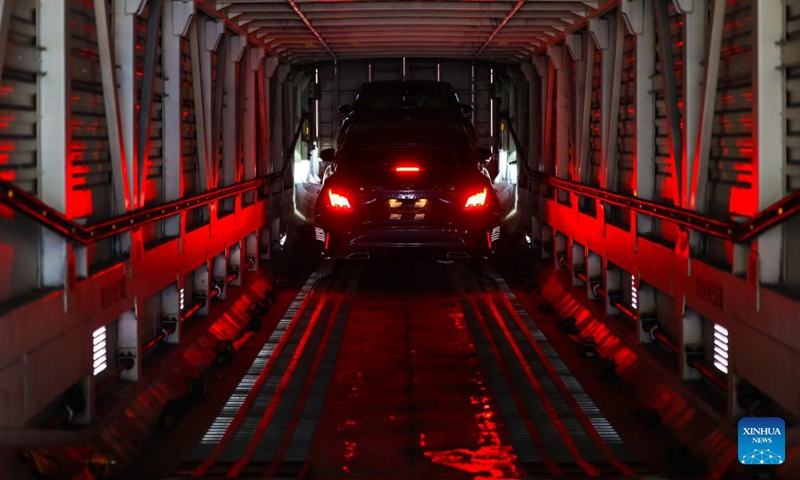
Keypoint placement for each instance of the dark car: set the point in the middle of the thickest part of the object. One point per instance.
(417, 186)
(415, 99)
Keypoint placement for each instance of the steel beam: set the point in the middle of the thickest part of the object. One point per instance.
(55, 115)
(768, 134)
(644, 108)
(502, 24)
(119, 164)
(200, 106)
(585, 110)
(119, 78)
(216, 129)
(231, 126)
(548, 160)
(560, 61)
(610, 170)
(671, 97)
(698, 199)
(313, 30)
(175, 23)
(146, 99)
(695, 26)
(255, 63)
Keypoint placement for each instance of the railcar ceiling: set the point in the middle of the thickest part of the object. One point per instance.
(310, 31)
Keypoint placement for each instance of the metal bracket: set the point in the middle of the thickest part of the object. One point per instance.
(598, 28)
(540, 64)
(684, 6)
(554, 53)
(237, 44)
(182, 14)
(256, 55)
(214, 29)
(270, 65)
(632, 12)
(574, 43)
(135, 7)
(527, 70)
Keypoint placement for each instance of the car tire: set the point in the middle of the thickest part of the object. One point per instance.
(326, 267)
(487, 267)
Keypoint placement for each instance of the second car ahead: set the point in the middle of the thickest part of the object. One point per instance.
(419, 187)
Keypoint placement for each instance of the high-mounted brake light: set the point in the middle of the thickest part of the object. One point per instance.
(338, 201)
(477, 200)
(406, 169)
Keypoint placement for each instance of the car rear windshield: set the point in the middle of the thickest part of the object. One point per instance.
(405, 159)
(386, 98)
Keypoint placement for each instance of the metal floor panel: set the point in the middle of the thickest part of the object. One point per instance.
(604, 429)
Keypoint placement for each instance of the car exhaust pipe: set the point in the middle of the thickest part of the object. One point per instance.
(457, 255)
(358, 256)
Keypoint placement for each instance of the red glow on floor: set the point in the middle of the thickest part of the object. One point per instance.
(491, 459)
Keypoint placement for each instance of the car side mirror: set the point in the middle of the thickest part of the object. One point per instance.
(484, 154)
(327, 155)
(467, 109)
(345, 109)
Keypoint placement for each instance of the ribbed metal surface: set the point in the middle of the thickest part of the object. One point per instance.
(604, 429)
(237, 398)
(294, 392)
(518, 433)
(304, 432)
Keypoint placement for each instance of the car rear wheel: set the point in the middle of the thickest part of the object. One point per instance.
(326, 267)
(487, 267)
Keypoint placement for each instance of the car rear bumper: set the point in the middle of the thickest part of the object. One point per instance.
(441, 242)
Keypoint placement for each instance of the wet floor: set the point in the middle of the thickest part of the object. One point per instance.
(409, 370)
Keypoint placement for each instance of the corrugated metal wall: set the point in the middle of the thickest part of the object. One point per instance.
(596, 133)
(626, 139)
(663, 160)
(19, 103)
(730, 181)
(90, 186)
(154, 189)
(791, 265)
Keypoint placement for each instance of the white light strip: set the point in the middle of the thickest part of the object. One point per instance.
(181, 299)
(721, 348)
(719, 359)
(99, 350)
(634, 294)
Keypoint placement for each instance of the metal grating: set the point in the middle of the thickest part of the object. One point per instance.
(604, 429)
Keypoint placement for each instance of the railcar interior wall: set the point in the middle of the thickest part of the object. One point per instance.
(154, 155)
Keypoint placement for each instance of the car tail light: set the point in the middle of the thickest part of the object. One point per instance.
(407, 169)
(338, 201)
(477, 200)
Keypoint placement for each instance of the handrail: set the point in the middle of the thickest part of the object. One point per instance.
(56, 221)
(735, 232)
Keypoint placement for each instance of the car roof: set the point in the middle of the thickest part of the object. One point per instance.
(407, 131)
(400, 84)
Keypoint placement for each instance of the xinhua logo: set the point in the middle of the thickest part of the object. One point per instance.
(762, 441)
